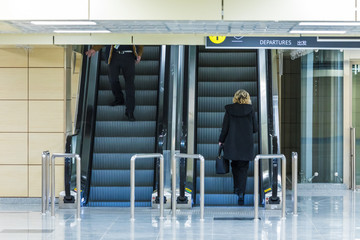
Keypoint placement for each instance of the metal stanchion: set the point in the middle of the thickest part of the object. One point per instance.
(294, 157)
(202, 184)
(132, 182)
(353, 158)
(44, 181)
(78, 182)
(256, 182)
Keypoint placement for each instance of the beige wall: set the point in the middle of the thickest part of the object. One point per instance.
(32, 106)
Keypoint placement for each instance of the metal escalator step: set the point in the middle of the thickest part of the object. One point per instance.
(151, 53)
(210, 150)
(125, 129)
(210, 119)
(210, 169)
(148, 67)
(142, 82)
(117, 113)
(227, 59)
(208, 135)
(118, 204)
(113, 193)
(224, 200)
(124, 144)
(227, 74)
(116, 177)
(142, 97)
(217, 104)
(223, 185)
(225, 89)
(120, 161)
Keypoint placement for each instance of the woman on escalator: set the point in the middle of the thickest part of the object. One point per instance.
(236, 136)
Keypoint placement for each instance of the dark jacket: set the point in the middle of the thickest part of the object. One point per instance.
(239, 124)
(137, 50)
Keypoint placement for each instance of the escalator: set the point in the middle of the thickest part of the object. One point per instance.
(220, 73)
(116, 139)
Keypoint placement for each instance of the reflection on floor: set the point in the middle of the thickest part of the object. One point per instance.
(323, 213)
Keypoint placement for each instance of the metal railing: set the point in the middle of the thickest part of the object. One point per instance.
(294, 157)
(46, 180)
(132, 182)
(202, 184)
(256, 182)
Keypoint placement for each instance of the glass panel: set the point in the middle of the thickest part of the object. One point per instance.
(356, 115)
(321, 116)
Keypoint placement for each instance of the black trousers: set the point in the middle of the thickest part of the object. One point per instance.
(126, 63)
(239, 171)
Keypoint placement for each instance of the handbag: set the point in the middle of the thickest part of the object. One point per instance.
(222, 164)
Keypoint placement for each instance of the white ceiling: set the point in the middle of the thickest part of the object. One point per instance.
(179, 27)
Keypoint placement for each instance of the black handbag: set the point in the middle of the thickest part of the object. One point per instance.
(222, 164)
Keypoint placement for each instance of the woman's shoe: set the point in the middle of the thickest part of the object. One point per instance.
(241, 199)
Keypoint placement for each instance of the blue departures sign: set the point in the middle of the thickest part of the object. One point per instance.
(282, 42)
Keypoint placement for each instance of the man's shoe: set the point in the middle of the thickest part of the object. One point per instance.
(130, 116)
(241, 199)
(117, 102)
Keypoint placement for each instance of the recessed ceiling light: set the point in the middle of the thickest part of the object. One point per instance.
(63, 23)
(317, 32)
(82, 31)
(329, 23)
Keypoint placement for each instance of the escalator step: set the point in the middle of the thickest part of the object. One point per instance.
(149, 67)
(124, 144)
(210, 150)
(227, 74)
(141, 82)
(117, 113)
(118, 204)
(121, 177)
(210, 169)
(125, 129)
(224, 185)
(142, 97)
(208, 135)
(120, 161)
(225, 199)
(227, 59)
(210, 119)
(217, 104)
(225, 89)
(112, 193)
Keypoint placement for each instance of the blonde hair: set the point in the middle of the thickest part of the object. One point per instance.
(242, 97)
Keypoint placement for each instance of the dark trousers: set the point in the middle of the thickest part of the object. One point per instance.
(239, 171)
(126, 63)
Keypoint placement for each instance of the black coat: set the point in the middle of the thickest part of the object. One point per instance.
(238, 127)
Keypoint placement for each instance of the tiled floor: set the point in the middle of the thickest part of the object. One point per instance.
(323, 213)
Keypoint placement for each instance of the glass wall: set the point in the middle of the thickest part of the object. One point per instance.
(321, 121)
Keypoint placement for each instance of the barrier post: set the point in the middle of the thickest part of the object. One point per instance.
(256, 182)
(132, 182)
(202, 183)
(294, 157)
(78, 180)
(44, 181)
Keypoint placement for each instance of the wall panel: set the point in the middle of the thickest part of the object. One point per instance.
(46, 83)
(13, 148)
(14, 83)
(14, 181)
(46, 116)
(14, 116)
